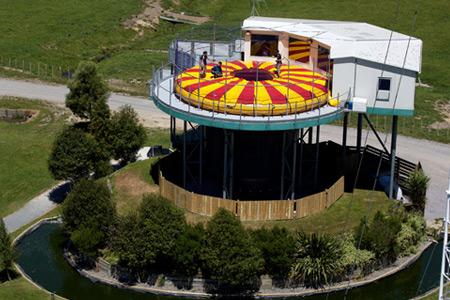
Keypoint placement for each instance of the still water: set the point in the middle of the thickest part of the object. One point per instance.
(40, 256)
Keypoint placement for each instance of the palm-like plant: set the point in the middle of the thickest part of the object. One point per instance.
(317, 260)
(417, 185)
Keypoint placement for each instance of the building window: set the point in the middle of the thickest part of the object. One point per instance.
(384, 89)
(384, 84)
(264, 45)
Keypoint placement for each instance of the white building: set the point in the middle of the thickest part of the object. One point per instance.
(373, 67)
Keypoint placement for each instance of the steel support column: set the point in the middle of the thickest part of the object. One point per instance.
(359, 134)
(184, 154)
(393, 150)
(300, 170)
(310, 133)
(344, 137)
(200, 159)
(294, 164)
(225, 164)
(283, 153)
(230, 190)
(316, 163)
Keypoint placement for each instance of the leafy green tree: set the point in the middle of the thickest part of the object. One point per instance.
(187, 251)
(88, 93)
(316, 260)
(162, 224)
(277, 246)
(379, 236)
(417, 185)
(147, 240)
(72, 155)
(88, 213)
(230, 256)
(6, 251)
(353, 258)
(128, 135)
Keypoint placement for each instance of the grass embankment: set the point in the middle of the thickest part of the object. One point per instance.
(24, 148)
(62, 33)
(20, 288)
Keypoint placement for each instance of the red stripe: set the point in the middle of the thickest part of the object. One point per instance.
(195, 86)
(310, 83)
(217, 94)
(299, 90)
(255, 65)
(275, 95)
(239, 63)
(291, 52)
(247, 95)
(269, 67)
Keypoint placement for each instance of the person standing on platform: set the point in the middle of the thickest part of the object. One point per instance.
(278, 62)
(203, 63)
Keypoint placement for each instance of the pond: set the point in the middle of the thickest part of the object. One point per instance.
(40, 256)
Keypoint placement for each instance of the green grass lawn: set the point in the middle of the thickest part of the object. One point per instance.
(20, 288)
(24, 148)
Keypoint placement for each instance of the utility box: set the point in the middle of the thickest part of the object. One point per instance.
(358, 105)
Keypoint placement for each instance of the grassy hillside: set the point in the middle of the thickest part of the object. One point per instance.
(63, 32)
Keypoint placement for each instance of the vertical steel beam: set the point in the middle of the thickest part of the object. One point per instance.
(300, 171)
(443, 284)
(316, 163)
(359, 134)
(283, 153)
(200, 159)
(393, 150)
(225, 164)
(294, 164)
(184, 154)
(310, 135)
(230, 190)
(344, 141)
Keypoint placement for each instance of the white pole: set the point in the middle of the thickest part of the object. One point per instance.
(445, 250)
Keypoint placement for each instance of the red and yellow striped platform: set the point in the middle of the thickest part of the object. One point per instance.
(253, 88)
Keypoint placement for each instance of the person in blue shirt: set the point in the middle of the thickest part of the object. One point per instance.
(217, 70)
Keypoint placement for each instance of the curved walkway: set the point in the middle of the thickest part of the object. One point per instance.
(434, 156)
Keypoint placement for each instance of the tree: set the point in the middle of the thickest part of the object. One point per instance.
(72, 155)
(88, 93)
(147, 239)
(6, 250)
(417, 185)
(187, 251)
(88, 213)
(128, 135)
(412, 232)
(162, 224)
(230, 257)
(316, 260)
(277, 246)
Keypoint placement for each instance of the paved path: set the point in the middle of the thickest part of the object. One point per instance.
(35, 208)
(434, 157)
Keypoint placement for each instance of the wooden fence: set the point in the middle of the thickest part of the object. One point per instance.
(252, 210)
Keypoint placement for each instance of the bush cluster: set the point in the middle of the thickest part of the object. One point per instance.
(88, 146)
(156, 239)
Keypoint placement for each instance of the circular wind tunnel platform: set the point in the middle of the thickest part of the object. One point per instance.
(249, 96)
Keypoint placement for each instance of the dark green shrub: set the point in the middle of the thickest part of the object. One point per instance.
(186, 254)
(417, 185)
(277, 246)
(230, 257)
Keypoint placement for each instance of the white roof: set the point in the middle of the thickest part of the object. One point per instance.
(349, 39)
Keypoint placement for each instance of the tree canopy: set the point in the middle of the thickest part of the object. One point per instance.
(127, 135)
(88, 213)
(6, 250)
(230, 256)
(72, 155)
(88, 93)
